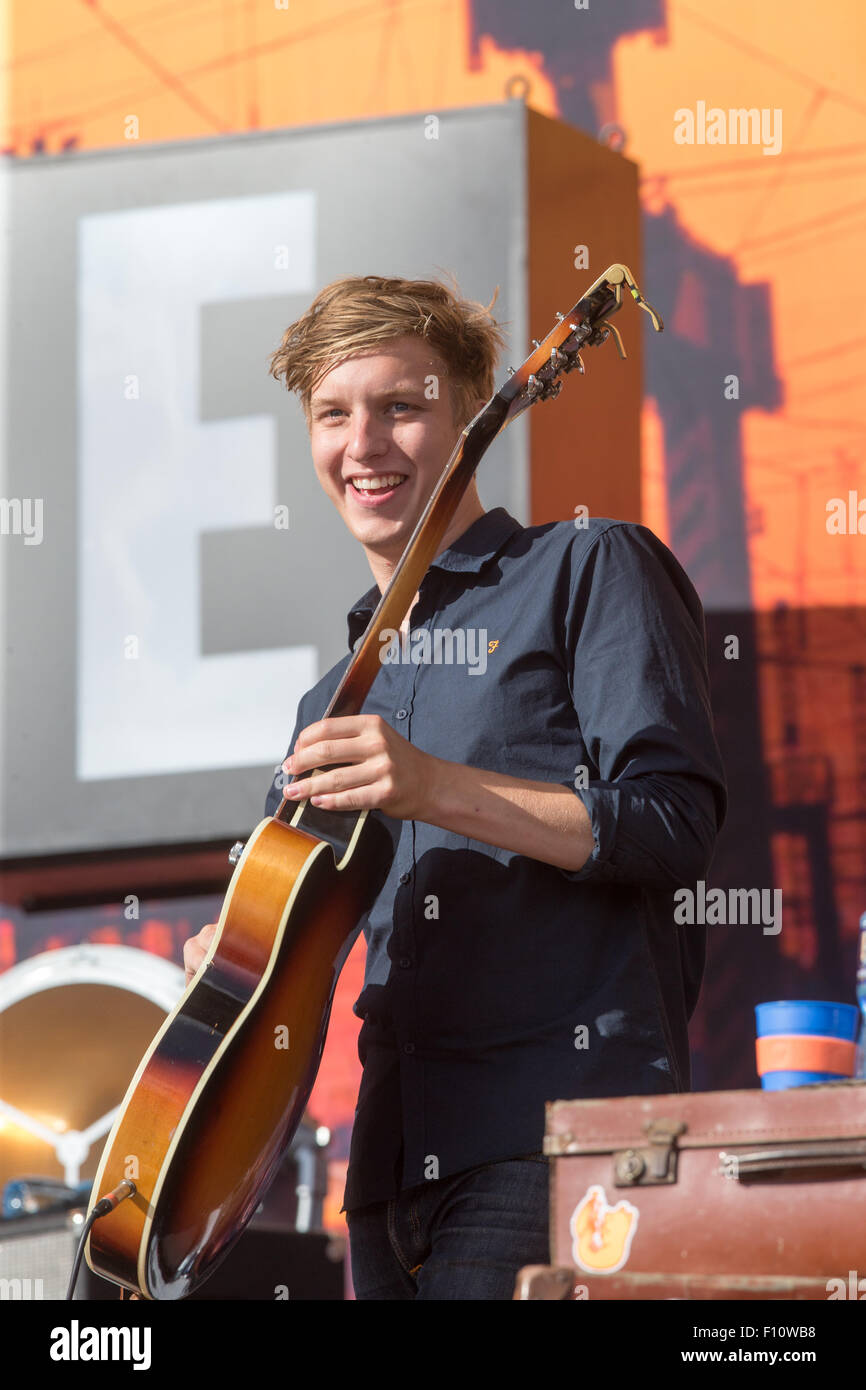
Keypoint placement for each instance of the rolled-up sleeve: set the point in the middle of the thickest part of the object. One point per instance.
(636, 650)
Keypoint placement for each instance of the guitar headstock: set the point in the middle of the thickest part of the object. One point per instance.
(539, 378)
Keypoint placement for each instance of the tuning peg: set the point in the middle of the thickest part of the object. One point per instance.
(511, 371)
(559, 316)
(536, 343)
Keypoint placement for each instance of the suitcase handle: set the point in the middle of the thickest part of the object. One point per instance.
(832, 1154)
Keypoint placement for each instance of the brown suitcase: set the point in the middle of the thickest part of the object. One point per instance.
(720, 1194)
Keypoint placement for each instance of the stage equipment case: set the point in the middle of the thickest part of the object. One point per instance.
(718, 1195)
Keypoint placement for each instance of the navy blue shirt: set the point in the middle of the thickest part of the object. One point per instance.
(495, 982)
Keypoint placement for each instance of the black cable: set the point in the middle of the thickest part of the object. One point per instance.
(103, 1207)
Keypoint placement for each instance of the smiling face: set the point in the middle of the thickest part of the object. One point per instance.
(379, 445)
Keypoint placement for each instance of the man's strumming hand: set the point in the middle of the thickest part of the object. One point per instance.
(382, 769)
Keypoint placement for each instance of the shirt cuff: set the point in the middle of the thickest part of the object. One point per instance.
(602, 807)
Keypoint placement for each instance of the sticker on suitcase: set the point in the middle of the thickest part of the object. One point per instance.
(602, 1234)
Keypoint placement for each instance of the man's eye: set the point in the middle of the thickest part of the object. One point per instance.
(335, 410)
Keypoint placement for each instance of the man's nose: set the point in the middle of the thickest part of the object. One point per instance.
(366, 437)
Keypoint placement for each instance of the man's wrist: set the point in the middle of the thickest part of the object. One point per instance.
(438, 801)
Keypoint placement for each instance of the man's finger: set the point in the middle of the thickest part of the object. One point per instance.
(195, 948)
(342, 726)
(325, 754)
(344, 779)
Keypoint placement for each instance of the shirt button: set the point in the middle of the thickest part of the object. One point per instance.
(404, 878)
(408, 1047)
(405, 962)
(402, 713)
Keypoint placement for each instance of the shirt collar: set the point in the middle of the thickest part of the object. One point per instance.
(474, 549)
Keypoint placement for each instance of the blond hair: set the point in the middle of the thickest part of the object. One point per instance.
(356, 313)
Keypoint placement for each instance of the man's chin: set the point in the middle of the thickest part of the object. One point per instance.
(383, 521)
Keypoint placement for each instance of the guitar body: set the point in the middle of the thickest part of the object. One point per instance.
(221, 1090)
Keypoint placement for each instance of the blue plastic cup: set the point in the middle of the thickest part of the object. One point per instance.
(820, 1016)
(783, 1080)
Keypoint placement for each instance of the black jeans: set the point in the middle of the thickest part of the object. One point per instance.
(463, 1237)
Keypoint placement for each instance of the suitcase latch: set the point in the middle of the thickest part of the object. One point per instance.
(655, 1162)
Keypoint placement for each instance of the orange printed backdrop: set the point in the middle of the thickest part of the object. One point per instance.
(77, 72)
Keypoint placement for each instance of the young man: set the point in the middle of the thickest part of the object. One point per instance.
(549, 781)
